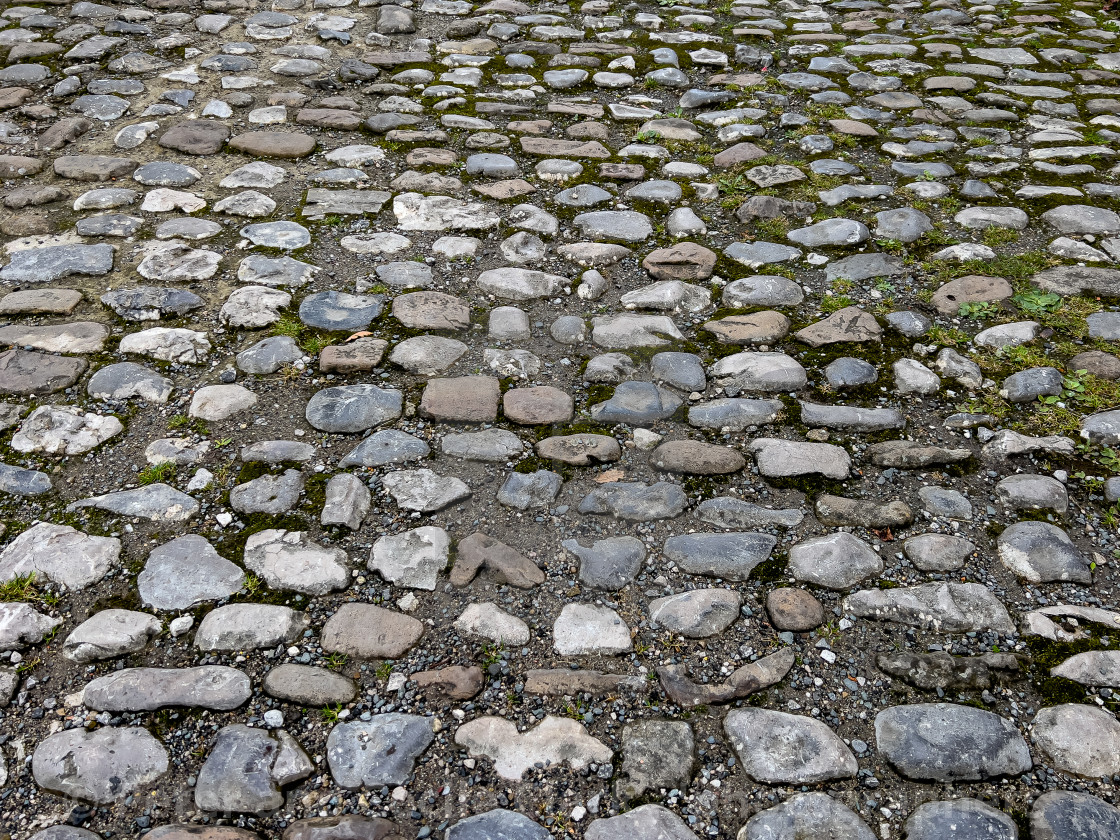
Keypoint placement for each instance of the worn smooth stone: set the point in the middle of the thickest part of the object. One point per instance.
(1041, 553)
(101, 766)
(308, 685)
(837, 561)
(110, 633)
(697, 614)
(366, 631)
(217, 687)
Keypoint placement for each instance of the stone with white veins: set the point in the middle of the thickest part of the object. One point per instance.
(780, 748)
(556, 740)
(60, 554)
(99, 766)
(489, 621)
(583, 629)
(412, 558)
(423, 490)
(290, 560)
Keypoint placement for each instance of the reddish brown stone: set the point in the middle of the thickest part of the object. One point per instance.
(463, 399)
(456, 683)
(794, 609)
(539, 405)
(685, 261)
(356, 356)
(503, 564)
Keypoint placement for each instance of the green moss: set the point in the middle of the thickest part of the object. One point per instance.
(703, 486)
(771, 570)
(598, 393)
(315, 492)
(531, 464)
(1047, 654)
(1056, 691)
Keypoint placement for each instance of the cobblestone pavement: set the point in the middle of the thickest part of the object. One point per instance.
(511, 421)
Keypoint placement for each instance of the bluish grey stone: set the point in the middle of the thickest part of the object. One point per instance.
(530, 490)
(812, 816)
(731, 555)
(98, 767)
(43, 265)
(384, 447)
(584, 195)
(246, 768)
(960, 819)
(1066, 815)
(353, 408)
(334, 310)
(23, 482)
(269, 355)
(149, 303)
(185, 572)
(608, 564)
(944, 742)
(162, 173)
(1042, 553)
(636, 403)
(944, 501)
(1028, 385)
(497, 824)
(635, 501)
(734, 414)
(270, 494)
(684, 371)
(108, 224)
(847, 372)
(381, 751)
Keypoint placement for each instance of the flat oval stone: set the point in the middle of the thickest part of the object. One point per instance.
(215, 687)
